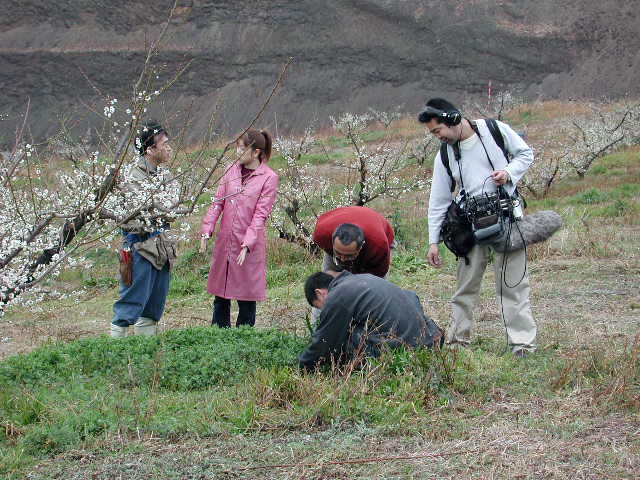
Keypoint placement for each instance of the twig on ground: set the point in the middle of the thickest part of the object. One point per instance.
(360, 460)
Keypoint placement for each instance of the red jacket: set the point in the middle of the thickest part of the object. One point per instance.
(375, 256)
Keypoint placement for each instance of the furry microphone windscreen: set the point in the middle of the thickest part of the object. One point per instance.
(534, 228)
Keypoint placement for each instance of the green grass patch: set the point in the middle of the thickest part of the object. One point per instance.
(62, 395)
(102, 282)
(189, 276)
(590, 197)
(616, 209)
(374, 136)
(615, 202)
(627, 157)
(336, 142)
(626, 190)
(178, 360)
(288, 264)
(525, 116)
(410, 233)
(205, 199)
(206, 380)
(547, 203)
(602, 170)
(277, 162)
(101, 257)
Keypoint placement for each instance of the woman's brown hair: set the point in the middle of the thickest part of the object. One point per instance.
(258, 140)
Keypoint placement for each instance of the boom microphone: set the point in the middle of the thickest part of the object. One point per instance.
(533, 228)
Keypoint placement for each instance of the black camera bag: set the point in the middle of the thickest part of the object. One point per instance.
(456, 232)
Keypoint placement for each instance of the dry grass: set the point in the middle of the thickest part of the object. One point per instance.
(511, 440)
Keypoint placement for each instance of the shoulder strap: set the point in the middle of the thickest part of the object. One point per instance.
(444, 156)
(492, 125)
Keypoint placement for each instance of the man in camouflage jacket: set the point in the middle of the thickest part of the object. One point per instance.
(148, 252)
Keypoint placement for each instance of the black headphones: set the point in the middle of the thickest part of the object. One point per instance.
(451, 118)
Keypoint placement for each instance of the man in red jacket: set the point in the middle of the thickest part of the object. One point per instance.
(356, 239)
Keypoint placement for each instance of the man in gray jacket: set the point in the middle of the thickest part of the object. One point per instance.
(360, 315)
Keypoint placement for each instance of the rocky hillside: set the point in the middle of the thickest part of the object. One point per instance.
(349, 55)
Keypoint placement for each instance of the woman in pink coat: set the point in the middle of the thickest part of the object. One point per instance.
(245, 197)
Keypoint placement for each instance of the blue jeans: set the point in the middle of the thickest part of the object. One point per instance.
(147, 294)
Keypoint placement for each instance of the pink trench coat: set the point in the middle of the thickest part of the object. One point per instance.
(245, 209)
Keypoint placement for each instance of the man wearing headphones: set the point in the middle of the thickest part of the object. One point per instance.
(479, 166)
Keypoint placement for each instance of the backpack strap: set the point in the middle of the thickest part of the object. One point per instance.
(444, 156)
(492, 125)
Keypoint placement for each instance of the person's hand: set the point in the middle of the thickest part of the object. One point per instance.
(500, 177)
(434, 256)
(203, 245)
(243, 254)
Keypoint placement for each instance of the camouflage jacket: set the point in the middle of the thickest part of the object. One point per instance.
(150, 193)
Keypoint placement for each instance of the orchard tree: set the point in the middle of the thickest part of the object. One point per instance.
(371, 170)
(65, 195)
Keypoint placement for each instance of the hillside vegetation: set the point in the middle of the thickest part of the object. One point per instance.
(199, 402)
(349, 55)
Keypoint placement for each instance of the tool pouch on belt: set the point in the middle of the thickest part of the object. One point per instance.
(126, 266)
(158, 250)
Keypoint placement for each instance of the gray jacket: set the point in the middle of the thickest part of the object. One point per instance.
(365, 312)
(158, 250)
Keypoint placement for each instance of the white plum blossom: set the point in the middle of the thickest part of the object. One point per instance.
(50, 216)
(109, 110)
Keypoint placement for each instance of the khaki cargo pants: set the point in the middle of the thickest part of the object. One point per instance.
(513, 299)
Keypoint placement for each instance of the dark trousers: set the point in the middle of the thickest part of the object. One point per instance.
(222, 313)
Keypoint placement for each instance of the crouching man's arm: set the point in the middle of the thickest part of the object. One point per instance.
(431, 335)
(330, 337)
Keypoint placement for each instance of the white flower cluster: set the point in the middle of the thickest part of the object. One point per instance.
(35, 205)
(300, 192)
(351, 123)
(601, 132)
(147, 202)
(37, 201)
(377, 169)
(110, 109)
(385, 118)
(62, 198)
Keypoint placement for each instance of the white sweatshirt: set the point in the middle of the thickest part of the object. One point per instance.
(475, 170)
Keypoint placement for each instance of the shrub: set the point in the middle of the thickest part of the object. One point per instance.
(590, 197)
